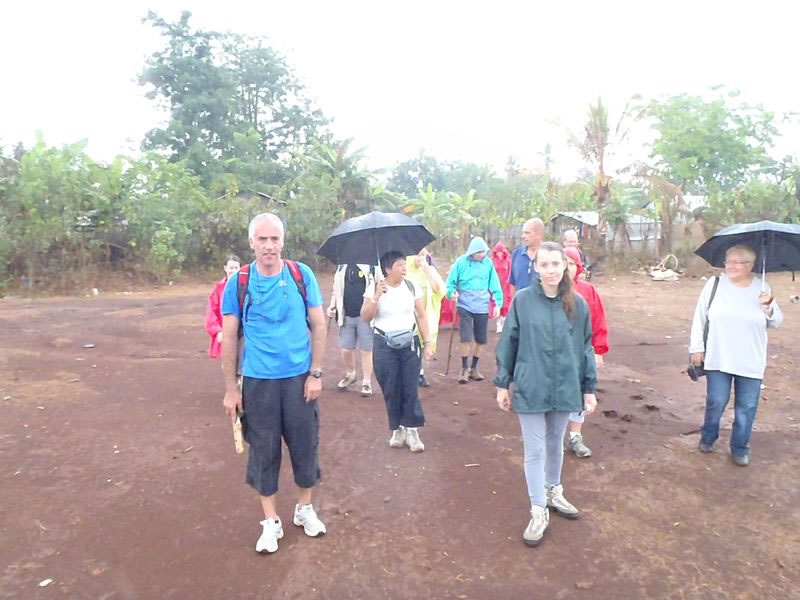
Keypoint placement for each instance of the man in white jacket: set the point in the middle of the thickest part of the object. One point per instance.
(349, 284)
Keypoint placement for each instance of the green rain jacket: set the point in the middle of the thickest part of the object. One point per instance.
(548, 356)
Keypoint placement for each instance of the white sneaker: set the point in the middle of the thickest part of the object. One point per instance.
(271, 533)
(556, 501)
(398, 438)
(306, 517)
(499, 324)
(540, 519)
(412, 439)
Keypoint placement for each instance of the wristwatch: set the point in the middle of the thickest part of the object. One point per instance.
(316, 373)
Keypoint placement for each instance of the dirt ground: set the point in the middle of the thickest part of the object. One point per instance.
(118, 477)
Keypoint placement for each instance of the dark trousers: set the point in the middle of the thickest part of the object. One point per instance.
(397, 372)
(275, 409)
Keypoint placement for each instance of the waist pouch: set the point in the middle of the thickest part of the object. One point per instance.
(397, 339)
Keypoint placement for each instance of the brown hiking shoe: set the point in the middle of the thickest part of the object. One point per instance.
(464, 377)
(475, 375)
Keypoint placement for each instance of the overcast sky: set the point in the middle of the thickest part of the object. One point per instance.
(465, 81)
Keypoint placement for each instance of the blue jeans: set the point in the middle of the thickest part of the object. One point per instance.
(543, 445)
(746, 395)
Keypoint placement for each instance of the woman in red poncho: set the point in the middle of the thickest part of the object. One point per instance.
(213, 312)
(599, 341)
(501, 259)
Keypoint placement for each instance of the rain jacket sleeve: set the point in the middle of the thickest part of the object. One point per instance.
(589, 382)
(507, 348)
(452, 278)
(494, 286)
(599, 324)
(213, 322)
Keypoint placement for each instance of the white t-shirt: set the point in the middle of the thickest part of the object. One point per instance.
(395, 308)
(737, 336)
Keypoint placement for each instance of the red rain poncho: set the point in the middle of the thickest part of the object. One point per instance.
(596, 310)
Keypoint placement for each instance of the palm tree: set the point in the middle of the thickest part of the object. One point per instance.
(594, 143)
(353, 182)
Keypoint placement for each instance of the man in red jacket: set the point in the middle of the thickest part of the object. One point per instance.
(599, 341)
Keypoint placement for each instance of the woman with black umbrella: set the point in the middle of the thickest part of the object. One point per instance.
(738, 308)
(397, 308)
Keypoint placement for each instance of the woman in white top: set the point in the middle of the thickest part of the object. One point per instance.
(397, 309)
(736, 348)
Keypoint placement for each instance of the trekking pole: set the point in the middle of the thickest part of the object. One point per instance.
(450, 347)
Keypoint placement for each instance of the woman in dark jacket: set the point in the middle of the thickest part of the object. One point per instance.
(546, 351)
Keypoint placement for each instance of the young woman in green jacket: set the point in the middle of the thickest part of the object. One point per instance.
(546, 352)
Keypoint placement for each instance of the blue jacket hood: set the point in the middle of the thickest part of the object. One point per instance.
(477, 245)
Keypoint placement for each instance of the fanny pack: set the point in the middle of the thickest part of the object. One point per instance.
(398, 339)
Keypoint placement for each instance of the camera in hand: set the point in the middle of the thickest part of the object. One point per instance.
(695, 372)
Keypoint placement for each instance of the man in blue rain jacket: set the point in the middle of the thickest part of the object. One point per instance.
(471, 282)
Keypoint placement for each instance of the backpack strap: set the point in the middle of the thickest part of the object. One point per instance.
(243, 281)
(411, 287)
(297, 275)
(242, 285)
(710, 300)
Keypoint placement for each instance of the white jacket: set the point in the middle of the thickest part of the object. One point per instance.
(337, 297)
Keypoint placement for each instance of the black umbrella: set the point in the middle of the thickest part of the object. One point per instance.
(777, 245)
(366, 238)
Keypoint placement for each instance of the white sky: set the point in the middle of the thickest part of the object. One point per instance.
(473, 81)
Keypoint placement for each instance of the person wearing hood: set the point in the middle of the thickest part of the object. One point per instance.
(599, 340)
(214, 309)
(501, 259)
(472, 282)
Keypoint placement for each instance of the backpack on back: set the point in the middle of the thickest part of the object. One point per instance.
(242, 286)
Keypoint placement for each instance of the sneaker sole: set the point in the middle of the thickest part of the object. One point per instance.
(532, 543)
(566, 515)
(463, 381)
(304, 530)
(586, 455)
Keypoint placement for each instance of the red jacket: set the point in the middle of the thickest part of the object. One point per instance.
(501, 259)
(596, 310)
(214, 318)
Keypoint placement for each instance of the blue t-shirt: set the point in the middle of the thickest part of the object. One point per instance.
(523, 270)
(277, 340)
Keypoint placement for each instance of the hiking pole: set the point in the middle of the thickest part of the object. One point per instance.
(450, 347)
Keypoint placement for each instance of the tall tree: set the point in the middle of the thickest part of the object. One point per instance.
(231, 99)
(707, 145)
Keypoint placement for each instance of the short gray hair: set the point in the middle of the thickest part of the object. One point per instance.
(564, 235)
(743, 249)
(272, 218)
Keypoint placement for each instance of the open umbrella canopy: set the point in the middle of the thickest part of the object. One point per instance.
(777, 245)
(366, 238)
